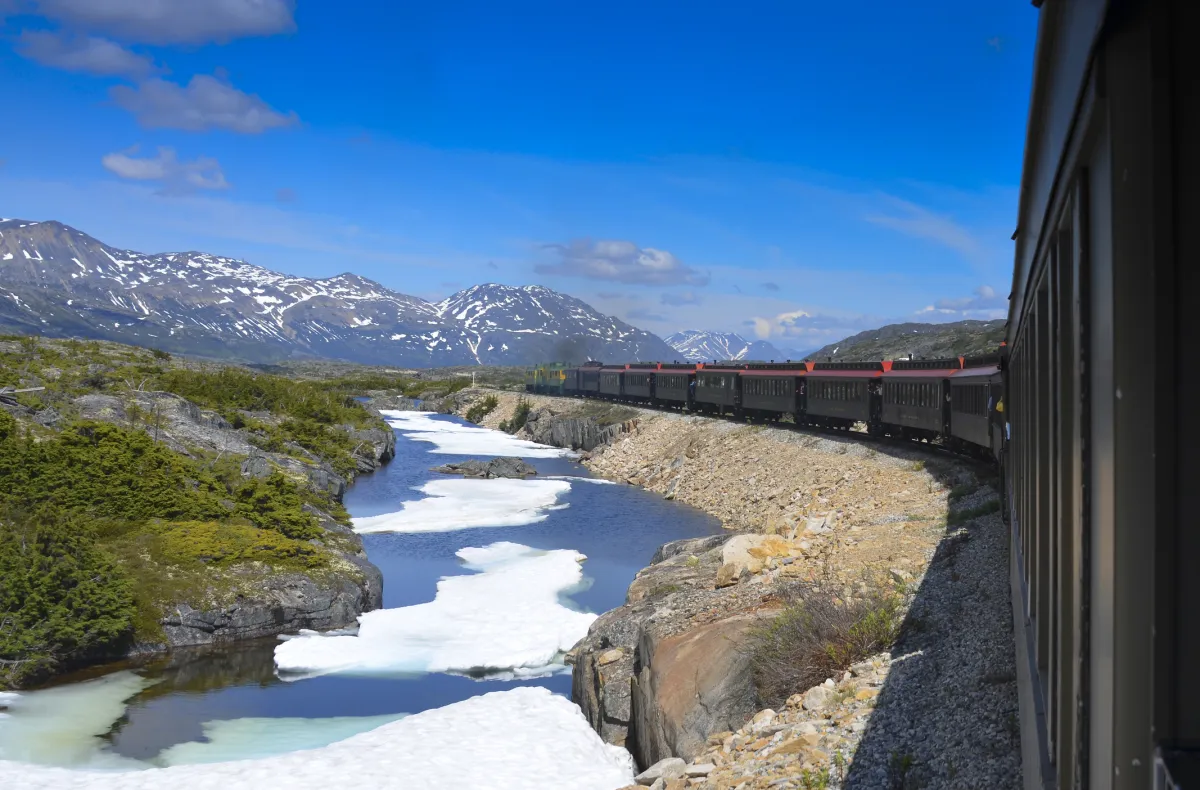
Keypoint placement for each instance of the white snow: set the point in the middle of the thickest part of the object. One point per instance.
(465, 503)
(8, 256)
(507, 617)
(527, 738)
(453, 438)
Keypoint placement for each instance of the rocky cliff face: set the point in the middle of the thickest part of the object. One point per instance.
(280, 602)
(574, 433)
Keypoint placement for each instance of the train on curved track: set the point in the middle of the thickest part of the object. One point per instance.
(955, 402)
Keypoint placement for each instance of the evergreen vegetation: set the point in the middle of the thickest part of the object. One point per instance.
(102, 526)
(482, 408)
(519, 418)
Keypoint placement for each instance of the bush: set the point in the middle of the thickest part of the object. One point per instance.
(818, 636)
(482, 408)
(957, 517)
(519, 418)
(63, 599)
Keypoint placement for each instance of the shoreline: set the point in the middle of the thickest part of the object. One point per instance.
(798, 505)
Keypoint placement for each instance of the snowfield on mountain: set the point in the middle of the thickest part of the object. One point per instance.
(58, 281)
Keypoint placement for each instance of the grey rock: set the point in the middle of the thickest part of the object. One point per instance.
(257, 466)
(575, 433)
(497, 467)
(47, 417)
(667, 768)
(287, 602)
(817, 697)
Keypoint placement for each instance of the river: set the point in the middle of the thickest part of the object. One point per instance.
(204, 706)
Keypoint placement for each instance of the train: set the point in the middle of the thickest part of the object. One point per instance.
(954, 402)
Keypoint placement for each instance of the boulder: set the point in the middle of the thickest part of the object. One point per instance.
(666, 768)
(513, 468)
(690, 685)
(746, 555)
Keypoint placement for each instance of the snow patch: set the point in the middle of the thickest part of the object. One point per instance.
(508, 617)
(526, 738)
(462, 504)
(453, 438)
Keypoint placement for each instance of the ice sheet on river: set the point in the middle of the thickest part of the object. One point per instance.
(526, 738)
(508, 618)
(452, 438)
(460, 504)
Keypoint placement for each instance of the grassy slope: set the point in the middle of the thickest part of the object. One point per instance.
(930, 341)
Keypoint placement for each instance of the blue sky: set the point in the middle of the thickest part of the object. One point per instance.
(792, 171)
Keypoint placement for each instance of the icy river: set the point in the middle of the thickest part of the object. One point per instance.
(457, 681)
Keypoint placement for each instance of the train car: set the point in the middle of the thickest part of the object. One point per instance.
(571, 382)
(674, 385)
(718, 388)
(554, 376)
(589, 379)
(839, 394)
(975, 391)
(916, 398)
(1103, 462)
(612, 382)
(639, 381)
(771, 390)
(531, 379)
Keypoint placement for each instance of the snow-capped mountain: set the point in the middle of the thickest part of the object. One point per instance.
(697, 345)
(56, 280)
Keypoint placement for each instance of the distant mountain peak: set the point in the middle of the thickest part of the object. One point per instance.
(57, 280)
(699, 345)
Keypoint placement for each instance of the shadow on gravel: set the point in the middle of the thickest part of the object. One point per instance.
(947, 714)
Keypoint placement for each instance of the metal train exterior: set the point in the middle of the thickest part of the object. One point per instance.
(957, 402)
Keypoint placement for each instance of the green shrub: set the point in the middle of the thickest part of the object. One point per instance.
(482, 408)
(519, 418)
(957, 517)
(62, 598)
(817, 636)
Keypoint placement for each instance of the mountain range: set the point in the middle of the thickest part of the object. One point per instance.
(698, 345)
(58, 281)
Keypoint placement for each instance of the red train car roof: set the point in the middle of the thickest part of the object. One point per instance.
(981, 372)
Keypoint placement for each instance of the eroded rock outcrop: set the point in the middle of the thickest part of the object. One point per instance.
(574, 433)
(513, 468)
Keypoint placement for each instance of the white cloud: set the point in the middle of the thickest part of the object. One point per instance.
(176, 177)
(173, 21)
(913, 220)
(985, 304)
(620, 261)
(88, 54)
(204, 103)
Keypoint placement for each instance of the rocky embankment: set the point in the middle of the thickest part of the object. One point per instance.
(670, 674)
(258, 601)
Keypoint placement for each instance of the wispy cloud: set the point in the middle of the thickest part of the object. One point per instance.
(285, 195)
(173, 21)
(676, 300)
(86, 54)
(913, 220)
(644, 314)
(985, 304)
(206, 102)
(620, 261)
(175, 177)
